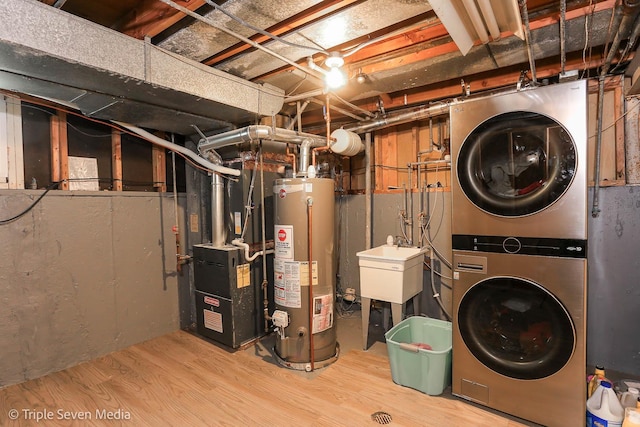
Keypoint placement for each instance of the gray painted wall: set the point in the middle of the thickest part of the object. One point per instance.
(385, 215)
(81, 275)
(613, 264)
(613, 305)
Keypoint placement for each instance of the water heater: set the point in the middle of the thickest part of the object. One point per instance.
(304, 237)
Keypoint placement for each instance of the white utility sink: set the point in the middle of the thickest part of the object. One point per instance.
(391, 253)
(390, 273)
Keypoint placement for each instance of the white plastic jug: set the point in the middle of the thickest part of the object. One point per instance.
(631, 418)
(604, 408)
(629, 398)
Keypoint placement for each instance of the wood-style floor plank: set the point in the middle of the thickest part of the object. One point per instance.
(179, 380)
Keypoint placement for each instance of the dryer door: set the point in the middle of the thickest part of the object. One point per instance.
(516, 328)
(516, 163)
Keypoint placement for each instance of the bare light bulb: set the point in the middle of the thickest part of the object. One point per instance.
(335, 78)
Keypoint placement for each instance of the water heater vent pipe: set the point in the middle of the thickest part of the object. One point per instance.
(255, 133)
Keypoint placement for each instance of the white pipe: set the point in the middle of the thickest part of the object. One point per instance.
(174, 147)
(338, 109)
(352, 106)
(489, 18)
(303, 96)
(300, 109)
(240, 243)
(476, 20)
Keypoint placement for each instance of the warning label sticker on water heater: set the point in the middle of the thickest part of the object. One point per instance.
(287, 283)
(322, 313)
(283, 241)
(289, 276)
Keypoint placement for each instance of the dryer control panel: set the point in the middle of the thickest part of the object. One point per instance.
(565, 248)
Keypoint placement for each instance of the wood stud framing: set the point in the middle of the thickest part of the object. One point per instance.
(159, 169)
(116, 159)
(612, 163)
(59, 150)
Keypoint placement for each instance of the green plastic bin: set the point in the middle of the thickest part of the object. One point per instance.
(428, 371)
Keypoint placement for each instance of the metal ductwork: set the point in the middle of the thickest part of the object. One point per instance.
(51, 54)
(258, 132)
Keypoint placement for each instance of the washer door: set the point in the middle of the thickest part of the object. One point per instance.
(516, 164)
(516, 328)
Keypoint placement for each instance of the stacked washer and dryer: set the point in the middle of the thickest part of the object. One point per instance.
(519, 238)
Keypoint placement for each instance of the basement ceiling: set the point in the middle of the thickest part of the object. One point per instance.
(397, 53)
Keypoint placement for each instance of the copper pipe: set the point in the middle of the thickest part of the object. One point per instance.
(265, 302)
(180, 259)
(178, 256)
(293, 161)
(313, 152)
(327, 118)
(310, 238)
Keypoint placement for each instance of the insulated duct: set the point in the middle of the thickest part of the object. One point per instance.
(116, 77)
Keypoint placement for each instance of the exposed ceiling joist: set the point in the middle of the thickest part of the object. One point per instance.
(151, 17)
(306, 17)
(404, 54)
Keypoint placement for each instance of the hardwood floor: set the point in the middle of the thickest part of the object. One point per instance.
(180, 380)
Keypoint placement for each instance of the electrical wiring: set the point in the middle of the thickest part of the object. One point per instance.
(588, 20)
(263, 32)
(118, 128)
(249, 207)
(389, 167)
(616, 120)
(437, 273)
(26, 211)
(346, 309)
(425, 232)
(106, 135)
(109, 180)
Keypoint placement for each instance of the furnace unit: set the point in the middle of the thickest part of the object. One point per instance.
(228, 295)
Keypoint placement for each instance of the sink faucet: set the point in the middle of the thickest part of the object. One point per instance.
(402, 242)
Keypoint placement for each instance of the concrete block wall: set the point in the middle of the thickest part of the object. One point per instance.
(81, 275)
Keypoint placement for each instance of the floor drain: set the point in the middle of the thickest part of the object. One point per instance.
(381, 417)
